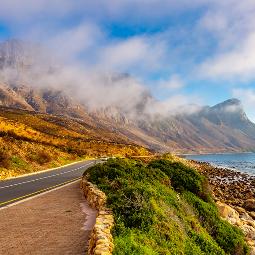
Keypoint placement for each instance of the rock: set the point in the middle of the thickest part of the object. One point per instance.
(240, 209)
(252, 214)
(249, 231)
(245, 216)
(250, 243)
(239, 223)
(228, 212)
(249, 204)
(251, 223)
(101, 241)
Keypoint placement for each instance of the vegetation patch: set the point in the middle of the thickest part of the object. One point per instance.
(32, 142)
(163, 207)
(4, 158)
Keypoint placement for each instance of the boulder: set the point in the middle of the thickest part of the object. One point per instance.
(228, 212)
(252, 214)
(249, 204)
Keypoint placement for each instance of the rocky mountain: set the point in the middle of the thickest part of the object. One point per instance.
(221, 128)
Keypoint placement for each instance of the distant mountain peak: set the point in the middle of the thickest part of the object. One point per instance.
(233, 105)
(229, 102)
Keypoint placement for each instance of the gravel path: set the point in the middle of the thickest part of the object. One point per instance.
(58, 222)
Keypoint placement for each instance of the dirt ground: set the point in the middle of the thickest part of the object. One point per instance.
(58, 222)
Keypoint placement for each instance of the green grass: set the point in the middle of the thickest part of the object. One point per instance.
(163, 207)
(19, 162)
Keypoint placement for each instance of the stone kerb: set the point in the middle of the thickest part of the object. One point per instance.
(101, 241)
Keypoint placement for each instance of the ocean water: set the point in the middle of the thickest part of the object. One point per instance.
(243, 162)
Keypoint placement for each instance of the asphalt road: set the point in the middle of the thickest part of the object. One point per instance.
(16, 189)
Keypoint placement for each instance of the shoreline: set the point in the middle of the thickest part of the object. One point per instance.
(248, 172)
(213, 153)
(234, 194)
(228, 180)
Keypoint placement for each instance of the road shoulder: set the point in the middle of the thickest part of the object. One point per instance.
(58, 222)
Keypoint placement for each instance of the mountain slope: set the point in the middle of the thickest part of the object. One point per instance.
(221, 128)
(212, 129)
(31, 141)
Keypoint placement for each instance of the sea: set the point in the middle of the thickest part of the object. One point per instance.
(242, 162)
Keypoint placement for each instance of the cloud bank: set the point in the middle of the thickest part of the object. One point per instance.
(90, 41)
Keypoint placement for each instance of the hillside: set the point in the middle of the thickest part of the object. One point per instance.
(221, 128)
(163, 207)
(32, 141)
(212, 129)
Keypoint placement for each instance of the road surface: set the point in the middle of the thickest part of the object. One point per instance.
(16, 189)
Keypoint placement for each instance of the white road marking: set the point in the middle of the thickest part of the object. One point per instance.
(45, 177)
(38, 195)
(43, 171)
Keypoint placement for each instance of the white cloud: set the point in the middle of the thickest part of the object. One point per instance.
(132, 54)
(125, 53)
(239, 62)
(233, 25)
(174, 105)
(72, 42)
(173, 83)
(148, 10)
(18, 12)
(247, 96)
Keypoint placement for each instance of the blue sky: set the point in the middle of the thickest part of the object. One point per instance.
(202, 51)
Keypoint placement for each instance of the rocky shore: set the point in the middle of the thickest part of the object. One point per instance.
(234, 193)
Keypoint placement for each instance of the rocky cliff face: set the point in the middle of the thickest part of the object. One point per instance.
(213, 129)
(224, 127)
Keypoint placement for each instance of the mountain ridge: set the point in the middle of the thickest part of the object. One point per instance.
(223, 127)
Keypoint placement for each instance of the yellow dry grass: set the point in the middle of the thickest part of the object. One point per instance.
(31, 142)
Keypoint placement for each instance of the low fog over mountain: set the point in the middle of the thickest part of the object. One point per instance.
(30, 79)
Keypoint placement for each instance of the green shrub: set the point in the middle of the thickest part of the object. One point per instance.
(152, 218)
(229, 238)
(128, 197)
(183, 178)
(18, 162)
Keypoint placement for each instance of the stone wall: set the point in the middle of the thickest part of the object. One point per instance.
(101, 242)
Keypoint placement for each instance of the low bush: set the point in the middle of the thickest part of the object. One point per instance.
(19, 162)
(4, 159)
(41, 157)
(228, 237)
(183, 178)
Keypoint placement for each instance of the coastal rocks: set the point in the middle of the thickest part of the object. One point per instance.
(235, 195)
(229, 186)
(252, 214)
(249, 204)
(228, 212)
(240, 219)
(101, 241)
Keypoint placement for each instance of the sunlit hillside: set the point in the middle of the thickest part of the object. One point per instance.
(32, 141)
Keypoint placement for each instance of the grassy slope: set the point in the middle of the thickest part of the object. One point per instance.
(163, 207)
(31, 141)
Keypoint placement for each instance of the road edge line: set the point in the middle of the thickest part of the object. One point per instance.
(45, 170)
(40, 193)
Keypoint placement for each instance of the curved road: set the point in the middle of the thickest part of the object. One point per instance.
(16, 189)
